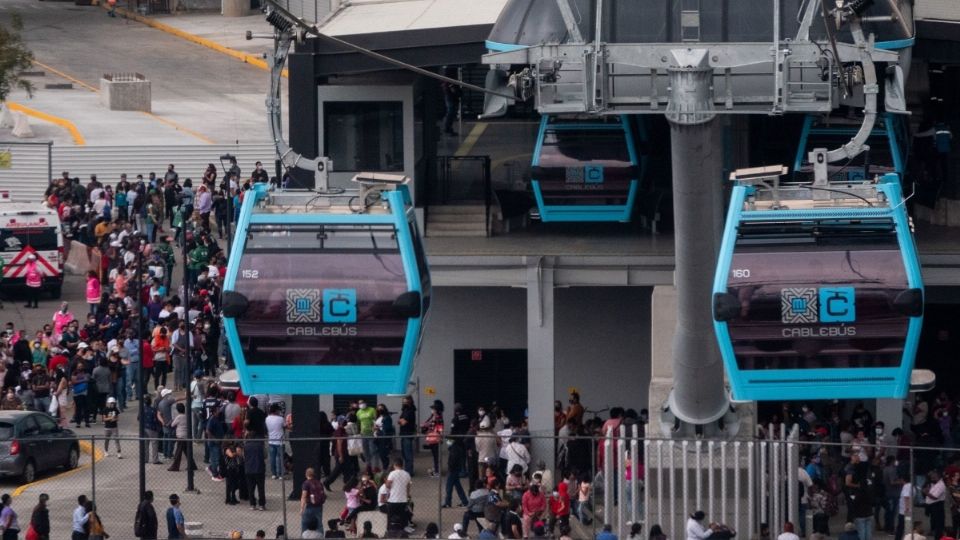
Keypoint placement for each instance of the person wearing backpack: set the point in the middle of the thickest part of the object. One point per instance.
(312, 497)
(145, 523)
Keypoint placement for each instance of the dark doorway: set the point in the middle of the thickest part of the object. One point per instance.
(939, 342)
(485, 376)
(341, 402)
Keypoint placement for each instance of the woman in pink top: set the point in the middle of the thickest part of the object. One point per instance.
(34, 281)
(60, 321)
(93, 291)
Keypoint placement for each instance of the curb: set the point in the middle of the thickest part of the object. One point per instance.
(62, 122)
(246, 58)
(85, 447)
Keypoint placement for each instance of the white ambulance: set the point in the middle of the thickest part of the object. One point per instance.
(27, 228)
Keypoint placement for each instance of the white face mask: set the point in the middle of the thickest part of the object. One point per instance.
(879, 431)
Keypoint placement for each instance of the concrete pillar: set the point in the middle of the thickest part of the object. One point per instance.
(540, 359)
(663, 326)
(890, 412)
(235, 8)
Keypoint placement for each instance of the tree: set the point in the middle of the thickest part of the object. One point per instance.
(15, 58)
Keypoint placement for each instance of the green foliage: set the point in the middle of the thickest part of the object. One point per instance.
(15, 58)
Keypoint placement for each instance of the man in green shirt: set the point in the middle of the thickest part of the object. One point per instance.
(196, 261)
(166, 254)
(366, 415)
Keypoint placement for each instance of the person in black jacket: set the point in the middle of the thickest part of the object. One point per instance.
(40, 518)
(145, 523)
(456, 458)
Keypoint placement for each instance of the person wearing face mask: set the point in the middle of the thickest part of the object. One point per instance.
(61, 319)
(408, 432)
(883, 441)
(181, 342)
(534, 505)
(575, 409)
(10, 401)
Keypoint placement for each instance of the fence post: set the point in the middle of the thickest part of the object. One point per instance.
(439, 480)
(908, 519)
(593, 483)
(621, 478)
(607, 477)
(635, 475)
(283, 502)
(93, 468)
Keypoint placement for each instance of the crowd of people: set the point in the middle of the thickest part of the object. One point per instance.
(86, 366)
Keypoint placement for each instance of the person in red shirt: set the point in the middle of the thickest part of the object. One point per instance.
(560, 507)
(534, 506)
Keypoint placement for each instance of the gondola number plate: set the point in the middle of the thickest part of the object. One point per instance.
(741, 272)
(250, 274)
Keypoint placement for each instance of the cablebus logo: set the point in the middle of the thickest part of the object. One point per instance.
(809, 305)
(335, 307)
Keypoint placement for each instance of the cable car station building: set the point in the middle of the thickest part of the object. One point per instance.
(525, 308)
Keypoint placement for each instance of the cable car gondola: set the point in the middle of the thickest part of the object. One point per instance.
(586, 170)
(817, 293)
(326, 297)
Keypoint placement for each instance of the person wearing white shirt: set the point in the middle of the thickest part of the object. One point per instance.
(695, 527)
(275, 431)
(398, 482)
(935, 498)
(80, 518)
(517, 454)
(903, 506)
(788, 533)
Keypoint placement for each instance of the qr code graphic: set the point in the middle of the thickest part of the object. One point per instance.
(304, 305)
(798, 305)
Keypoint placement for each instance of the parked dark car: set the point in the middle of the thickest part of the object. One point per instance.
(31, 442)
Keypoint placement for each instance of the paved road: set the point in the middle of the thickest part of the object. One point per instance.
(198, 88)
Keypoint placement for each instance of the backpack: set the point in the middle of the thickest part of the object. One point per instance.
(317, 495)
(492, 510)
(478, 505)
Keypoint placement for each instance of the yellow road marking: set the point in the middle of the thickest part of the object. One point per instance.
(85, 447)
(467, 145)
(62, 122)
(96, 90)
(246, 58)
(74, 80)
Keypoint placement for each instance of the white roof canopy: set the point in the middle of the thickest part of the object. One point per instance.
(375, 16)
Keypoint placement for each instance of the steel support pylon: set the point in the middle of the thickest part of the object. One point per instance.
(698, 403)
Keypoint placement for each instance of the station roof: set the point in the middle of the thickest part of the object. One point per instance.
(378, 16)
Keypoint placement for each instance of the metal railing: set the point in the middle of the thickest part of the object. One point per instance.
(741, 484)
(463, 180)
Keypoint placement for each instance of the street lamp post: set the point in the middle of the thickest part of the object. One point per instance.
(141, 375)
(189, 397)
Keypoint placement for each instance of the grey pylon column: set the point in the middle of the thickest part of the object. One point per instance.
(698, 396)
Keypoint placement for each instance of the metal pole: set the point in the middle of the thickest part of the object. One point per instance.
(140, 384)
(189, 397)
(697, 175)
(93, 468)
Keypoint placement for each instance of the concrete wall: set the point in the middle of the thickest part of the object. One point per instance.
(602, 339)
(603, 345)
(467, 318)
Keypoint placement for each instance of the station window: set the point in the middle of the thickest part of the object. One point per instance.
(364, 135)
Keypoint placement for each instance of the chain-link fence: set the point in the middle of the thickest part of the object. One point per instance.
(618, 480)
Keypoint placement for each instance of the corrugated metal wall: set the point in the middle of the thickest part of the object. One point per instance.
(29, 166)
(947, 10)
(29, 176)
(309, 10)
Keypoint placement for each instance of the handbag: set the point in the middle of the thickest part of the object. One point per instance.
(31, 533)
(354, 446)
(434, 437)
